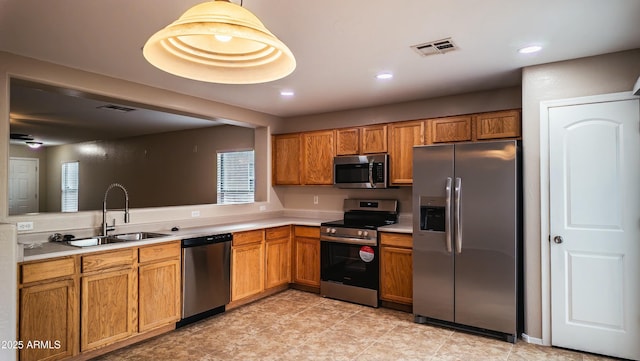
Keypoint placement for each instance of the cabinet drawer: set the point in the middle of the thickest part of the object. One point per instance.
(248, 237)
(396, 239)
(161, 251)
(40, 271)
(107, 261)
(311, 232)
(278, 232)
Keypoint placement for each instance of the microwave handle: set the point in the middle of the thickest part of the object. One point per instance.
(373, 185)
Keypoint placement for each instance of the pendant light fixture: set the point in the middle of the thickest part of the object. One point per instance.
(220, 42)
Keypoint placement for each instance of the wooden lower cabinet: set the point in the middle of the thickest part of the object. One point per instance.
(48, 312)
(277, 256)
(159, 291)
(307, 256)
(396, 268)
(108, 308)
(247, 264)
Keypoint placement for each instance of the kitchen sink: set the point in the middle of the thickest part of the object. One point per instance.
(136, 236)
(114, 238)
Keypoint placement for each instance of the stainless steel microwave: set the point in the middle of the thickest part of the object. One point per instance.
(361, 171)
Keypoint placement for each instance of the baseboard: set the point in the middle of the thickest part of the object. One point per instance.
(528, 339)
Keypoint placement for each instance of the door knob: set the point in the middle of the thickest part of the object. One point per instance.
(557, 239)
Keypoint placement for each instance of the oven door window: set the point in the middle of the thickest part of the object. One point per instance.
(349, 264)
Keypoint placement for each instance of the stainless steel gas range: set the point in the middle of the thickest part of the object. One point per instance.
(349, 261)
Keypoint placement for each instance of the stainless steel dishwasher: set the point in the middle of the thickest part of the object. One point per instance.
(205, 276)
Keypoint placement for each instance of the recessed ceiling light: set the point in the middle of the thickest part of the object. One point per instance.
(383, 76)
(287, 93)
(530, 49)
(33, 144)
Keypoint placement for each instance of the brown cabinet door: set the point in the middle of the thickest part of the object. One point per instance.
(278, 262)
(402, 137)
(159, 294)
(374, 139)
(450, 129)
(247, 270)
(498, 125)
(396, 274)
(348, 141)
(318, 152)
(48, 313)
(108, 308)
(286, 159)
(307, 256)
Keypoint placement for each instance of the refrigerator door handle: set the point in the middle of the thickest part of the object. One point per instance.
(458, 223)
(447, 217)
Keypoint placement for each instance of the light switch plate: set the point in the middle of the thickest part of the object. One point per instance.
(195, 213)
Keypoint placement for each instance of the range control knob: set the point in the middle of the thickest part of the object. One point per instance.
(365, 234)
(359, 233)
(332, 231)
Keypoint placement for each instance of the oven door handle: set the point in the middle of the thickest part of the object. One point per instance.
(349, 240)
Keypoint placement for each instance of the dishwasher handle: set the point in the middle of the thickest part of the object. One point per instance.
(207, 240)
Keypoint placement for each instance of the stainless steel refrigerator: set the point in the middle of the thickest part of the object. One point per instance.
(467, 236)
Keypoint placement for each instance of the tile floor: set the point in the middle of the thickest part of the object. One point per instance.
(296, 325)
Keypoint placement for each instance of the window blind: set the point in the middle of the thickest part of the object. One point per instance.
(70, 187)
(236, 177)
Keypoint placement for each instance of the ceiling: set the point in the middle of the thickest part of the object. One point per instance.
(339, 45)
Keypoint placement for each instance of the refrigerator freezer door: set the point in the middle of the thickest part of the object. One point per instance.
(433, 281)
(485, 269)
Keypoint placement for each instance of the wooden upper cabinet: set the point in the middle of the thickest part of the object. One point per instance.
(496, 125)
(450, 129)
(348, 141)
(286, 159)
(373, 139)
(402, 137)
(317, 157)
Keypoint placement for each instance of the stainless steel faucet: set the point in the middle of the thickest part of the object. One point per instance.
(105, 227)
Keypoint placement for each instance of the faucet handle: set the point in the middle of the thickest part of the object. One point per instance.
(111, 227)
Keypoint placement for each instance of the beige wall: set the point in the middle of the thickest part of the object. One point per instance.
(477, 102)
(34, 70)
(174, 168)
(575, 78)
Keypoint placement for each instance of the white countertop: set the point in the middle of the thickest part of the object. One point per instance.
(54, 249)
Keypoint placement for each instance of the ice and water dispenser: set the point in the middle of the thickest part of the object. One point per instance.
(433, 214)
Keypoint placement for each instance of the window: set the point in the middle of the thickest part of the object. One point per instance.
(236, 177)
(69, 183)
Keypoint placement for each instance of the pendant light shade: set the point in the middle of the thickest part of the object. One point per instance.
(220, 42)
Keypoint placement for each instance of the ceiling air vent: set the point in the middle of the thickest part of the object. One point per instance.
(116, 108)
(435, 47)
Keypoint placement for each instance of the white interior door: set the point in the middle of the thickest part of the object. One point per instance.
(594, 174)
(23, 185)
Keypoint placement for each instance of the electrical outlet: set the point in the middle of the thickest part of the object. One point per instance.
(263, 208)
(195, 213)
(315, 199)
(24, 226)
